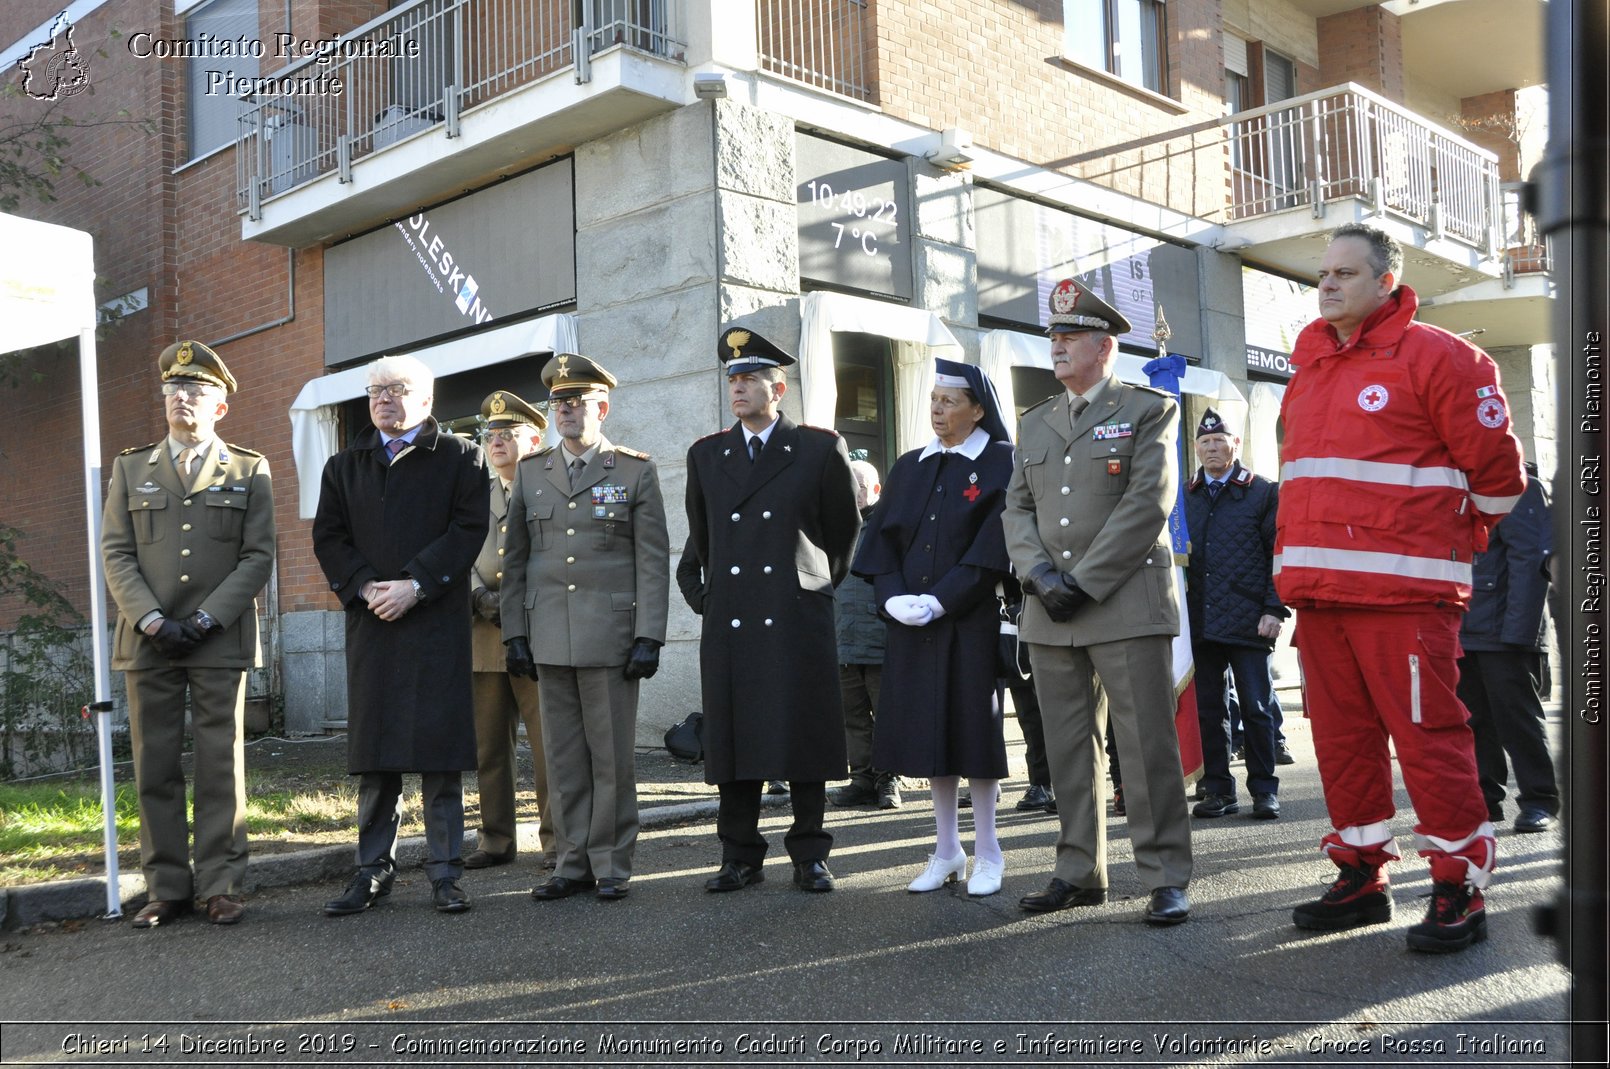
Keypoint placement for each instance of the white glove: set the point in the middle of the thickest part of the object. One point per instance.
(908, 609)
(935, 609)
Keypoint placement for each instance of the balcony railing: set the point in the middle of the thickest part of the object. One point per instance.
(424, 65)
(1348, 142)
(823, 43)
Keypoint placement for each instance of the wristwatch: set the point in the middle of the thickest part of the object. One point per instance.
(205, 621)
(419, 591)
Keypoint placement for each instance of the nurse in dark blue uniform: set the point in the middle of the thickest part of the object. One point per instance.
(935, 552)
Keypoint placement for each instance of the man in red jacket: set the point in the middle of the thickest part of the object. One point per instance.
(1397, 458)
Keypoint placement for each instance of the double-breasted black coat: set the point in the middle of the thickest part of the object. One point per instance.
(422, 516)
(769, 541)
(937, 530)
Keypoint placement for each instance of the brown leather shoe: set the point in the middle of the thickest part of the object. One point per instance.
(157, 913)
(225, 909)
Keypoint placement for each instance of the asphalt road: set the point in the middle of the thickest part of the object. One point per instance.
(771, 976)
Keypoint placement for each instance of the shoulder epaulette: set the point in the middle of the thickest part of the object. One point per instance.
(1042, 404)
(712, 434)
(638, 454)
(242, 450)
(820, 430)
(1151, 389)
(139, 448)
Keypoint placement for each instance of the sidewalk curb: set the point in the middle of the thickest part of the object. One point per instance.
(84, 899)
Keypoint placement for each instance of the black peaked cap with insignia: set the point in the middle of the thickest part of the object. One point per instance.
(741, 349)
(193, 360)
(1074, 308)
(1213, 423)
(571, 375)
(506, 409)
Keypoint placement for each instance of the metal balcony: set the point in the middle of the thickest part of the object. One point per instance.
(428, 66)
(828, 44)
(1305, 165)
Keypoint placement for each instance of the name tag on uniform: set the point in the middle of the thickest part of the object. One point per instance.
(1113, 430)
(609, 494)
(224, 489)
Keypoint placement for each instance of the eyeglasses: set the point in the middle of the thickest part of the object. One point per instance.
(390, 389)
(568, 404)
(189, 389)
(499, 436)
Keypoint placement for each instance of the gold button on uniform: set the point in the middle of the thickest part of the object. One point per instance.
(500, 551)
(570, 560)
(1067, 554)
(184, 579)
(186, 527)
(570, 530)
(504, 529)
(571, 587)
(184, 553)
(1066, 491)
(572, 504)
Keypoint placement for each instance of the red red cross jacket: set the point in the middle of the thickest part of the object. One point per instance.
(1397, 457)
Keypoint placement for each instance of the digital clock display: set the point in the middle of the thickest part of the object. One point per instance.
(854, 218)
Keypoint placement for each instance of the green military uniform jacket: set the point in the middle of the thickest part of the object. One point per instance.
(486, 645)
(176, 549)
(1093, 498)
(587, 571)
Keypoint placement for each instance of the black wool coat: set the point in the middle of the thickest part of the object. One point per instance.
(1229, 582)
(1509, 583)
(937, 530)
(767, 543)
(422, 516)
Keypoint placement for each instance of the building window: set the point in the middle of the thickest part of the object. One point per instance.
(1126, 38)
(209, 76)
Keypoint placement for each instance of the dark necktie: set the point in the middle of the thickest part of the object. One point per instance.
(575, 471)
(395, 446)
(1213, 490)
(755, 445)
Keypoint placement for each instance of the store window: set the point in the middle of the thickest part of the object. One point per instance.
(1125, 38)
(212, 107)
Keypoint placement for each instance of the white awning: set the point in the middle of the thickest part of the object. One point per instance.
(1002, 350)
(919, 336)
(313, 413)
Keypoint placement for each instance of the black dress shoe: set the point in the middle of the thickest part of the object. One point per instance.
(360, 894)
(1169, 905)
(612, 889)
(1060, 894)
(1217, 805)
(1265, 806)
(480, 859)
(854, 793)
(447, 896)
(776, 786)
(1283, 754)
(1533, 818)
(812, 876)
(556, 887)
(734, 876)
(1036, 797)
(157, 913)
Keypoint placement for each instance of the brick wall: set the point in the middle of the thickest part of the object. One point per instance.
(1364, 45)
(994, 69)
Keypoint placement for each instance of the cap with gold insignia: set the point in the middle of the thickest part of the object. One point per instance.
(570, 375)
(741, 349)
(193, 360)
(1074, 308)
(1213, 423)
(505, 409)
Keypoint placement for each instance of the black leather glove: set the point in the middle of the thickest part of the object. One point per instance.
(644, 660)
(517, 658)
(489, 605)
(1058, 593)
(176, 639)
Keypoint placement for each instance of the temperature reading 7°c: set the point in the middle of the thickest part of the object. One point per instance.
(863, 210)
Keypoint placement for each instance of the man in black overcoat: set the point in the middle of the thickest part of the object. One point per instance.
(402, 514)
(772, 522)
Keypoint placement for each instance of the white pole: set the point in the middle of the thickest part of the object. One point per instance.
(89, 380)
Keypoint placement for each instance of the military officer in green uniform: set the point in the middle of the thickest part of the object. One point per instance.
(188, 541)
(586, 590)
(1085, 522)
(502, 702)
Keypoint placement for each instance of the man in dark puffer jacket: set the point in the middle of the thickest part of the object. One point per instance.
(1235, 617)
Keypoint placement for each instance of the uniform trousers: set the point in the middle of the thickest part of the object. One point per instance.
(1026, 704)
(502, 703)
(859, 686)
(156, 729)
(1370, 676)
(589, 730)
(738, 822)
(1500, 688)
(1253, 687)
(1137, 677)
(380, 815)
